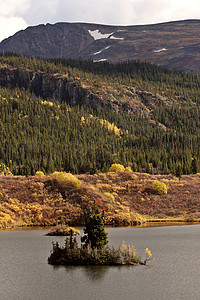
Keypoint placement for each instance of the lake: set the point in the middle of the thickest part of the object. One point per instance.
(175, 273)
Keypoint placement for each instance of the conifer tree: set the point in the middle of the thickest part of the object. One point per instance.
(179, 172)
(194, 165)
(95, 234)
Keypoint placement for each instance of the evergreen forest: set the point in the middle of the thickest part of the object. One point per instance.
(161, 134)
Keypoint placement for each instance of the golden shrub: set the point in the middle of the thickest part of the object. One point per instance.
(117, 168)
(134, 176)
(128, 169)
(66, 179)
(159, 187)
(109, 195)
(4, 170)
(39, 174)
(47, 103)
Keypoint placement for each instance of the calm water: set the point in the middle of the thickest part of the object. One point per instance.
(175, 273)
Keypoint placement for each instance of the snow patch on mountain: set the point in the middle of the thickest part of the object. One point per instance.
(160, 50)
(96, 53)
(99, 60)
(97, 35)
(116, 38)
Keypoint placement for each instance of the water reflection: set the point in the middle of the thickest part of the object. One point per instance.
(25, 273)
(144, 225)
(95, 273)
(25, 228)
(157, 224)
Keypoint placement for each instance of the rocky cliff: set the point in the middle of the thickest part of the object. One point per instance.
(47, 86)
(58, 88)
(174, 44)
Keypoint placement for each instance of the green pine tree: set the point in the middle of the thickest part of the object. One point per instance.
(194, 165)
(179, 172)
(95, 234)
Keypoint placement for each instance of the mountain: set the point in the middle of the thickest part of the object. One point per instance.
(175, 45)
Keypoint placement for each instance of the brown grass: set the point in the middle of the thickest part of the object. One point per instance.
(39, 201)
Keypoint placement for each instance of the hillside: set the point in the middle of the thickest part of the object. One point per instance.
(174, 44)
(42, 201)
(81, 117)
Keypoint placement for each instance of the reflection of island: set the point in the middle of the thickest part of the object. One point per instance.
(95, 273)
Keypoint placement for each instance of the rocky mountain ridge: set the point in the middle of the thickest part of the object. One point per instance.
(174, 44)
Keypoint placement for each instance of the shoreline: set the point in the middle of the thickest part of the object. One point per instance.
(148, 223)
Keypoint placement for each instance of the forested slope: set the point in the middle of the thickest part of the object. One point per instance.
(149, 118)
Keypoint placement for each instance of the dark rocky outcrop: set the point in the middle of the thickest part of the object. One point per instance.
(58, 88)
(47, 86)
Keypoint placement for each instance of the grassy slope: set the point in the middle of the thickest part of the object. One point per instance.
(39, 201)
(30, 200)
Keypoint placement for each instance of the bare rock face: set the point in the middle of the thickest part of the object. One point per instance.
(59, 89)
(175, 45)
(50, 87)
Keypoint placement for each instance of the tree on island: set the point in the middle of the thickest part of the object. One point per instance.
(94, 249)
(95, 234)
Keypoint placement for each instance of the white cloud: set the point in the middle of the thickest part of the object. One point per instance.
(93, 11)
(154, 11)
(44, 11)
(126, 12)
(11, 20)
(16, 14)
(11, 25)
(12, 7)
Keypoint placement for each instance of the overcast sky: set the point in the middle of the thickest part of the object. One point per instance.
(19, 14)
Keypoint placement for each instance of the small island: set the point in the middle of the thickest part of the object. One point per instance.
(94, 249)
(63, 230)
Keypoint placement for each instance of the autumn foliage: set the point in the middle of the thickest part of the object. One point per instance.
(39, 174)
(128, 169)
(116, 168)
(66, 179)
(4, 170)
(159, 187)
(49, 200)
